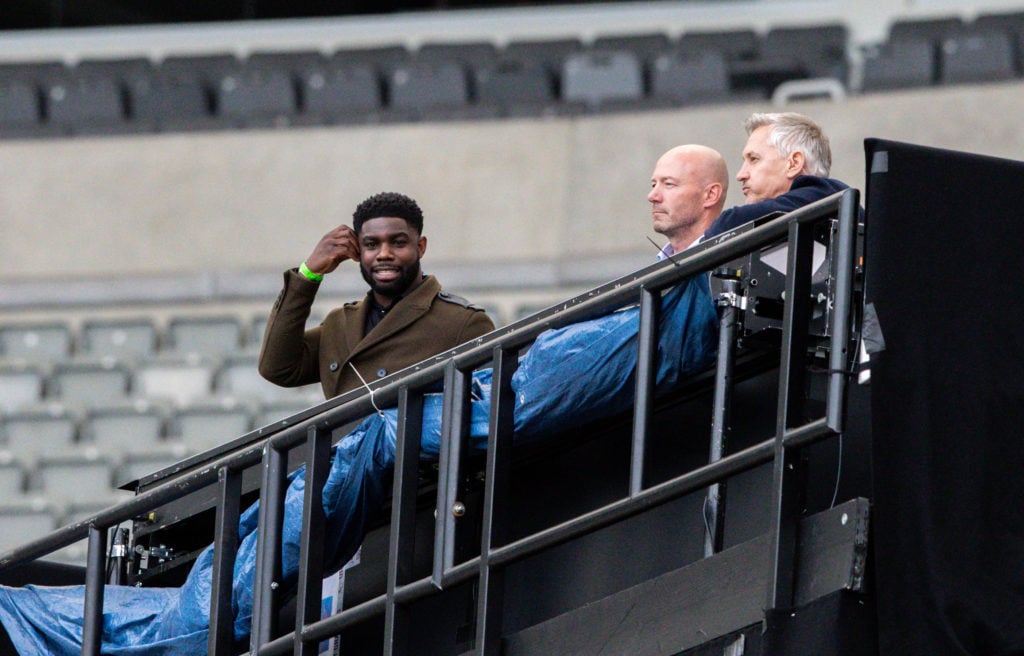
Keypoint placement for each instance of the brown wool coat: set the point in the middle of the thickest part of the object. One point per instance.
(426, 322)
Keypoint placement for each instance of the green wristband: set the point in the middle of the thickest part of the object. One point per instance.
(304, 270)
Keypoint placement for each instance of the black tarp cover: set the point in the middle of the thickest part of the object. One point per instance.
(945, 267)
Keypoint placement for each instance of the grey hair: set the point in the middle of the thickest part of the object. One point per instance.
(792, 132)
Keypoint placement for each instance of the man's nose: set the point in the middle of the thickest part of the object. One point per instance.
(652, 195)
(385, 252)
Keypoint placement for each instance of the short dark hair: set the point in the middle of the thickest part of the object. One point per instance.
(388, 203)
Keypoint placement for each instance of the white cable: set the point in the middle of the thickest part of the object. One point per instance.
(370, 389)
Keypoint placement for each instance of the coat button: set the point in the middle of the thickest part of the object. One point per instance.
(334, 366)
(382, 372)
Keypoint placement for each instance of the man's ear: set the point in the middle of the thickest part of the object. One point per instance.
(712, 194)
(421, 245)
(795, 165)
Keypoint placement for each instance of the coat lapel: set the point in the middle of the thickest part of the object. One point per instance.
(411, 308)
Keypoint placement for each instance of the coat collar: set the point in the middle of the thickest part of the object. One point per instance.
(407, 311)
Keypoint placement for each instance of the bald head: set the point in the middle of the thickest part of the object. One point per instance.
(687, 194)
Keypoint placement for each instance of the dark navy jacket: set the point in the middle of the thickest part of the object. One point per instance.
(805, 190)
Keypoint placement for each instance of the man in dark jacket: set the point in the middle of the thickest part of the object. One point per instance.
(404, 318)
(786, 163)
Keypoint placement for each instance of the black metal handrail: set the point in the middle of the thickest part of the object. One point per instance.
(406, 389)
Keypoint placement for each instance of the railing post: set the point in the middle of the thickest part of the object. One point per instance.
(225, 550)
(844, 263)
(729, 320)
(268, 547)
(787, 488)
(311, 547)
(454, 430)
(402, 540)
(92, 620)
(491, 583)
(646, 379)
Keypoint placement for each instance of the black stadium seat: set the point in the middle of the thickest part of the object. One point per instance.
(682, 78)
(976, 57)
(902, 64)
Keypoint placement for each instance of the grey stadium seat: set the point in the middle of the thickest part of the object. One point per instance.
(172, 102)
(218, 335)
(204, 426)
(179, 379)
(132, 337)
(898, 65)
(12, 480)
(647, 47)
(85, 104)
(120, 428)
(40, 430)
(39, 342)
(75, 478)
(257, 97)
(21, 384)
(25, 520)
(469, 53)
(19, 105)
(931, 29)
(89, 381)
(514, 85)
(683, 78)
(598, 77)
(341, 93)
(428, 86)
(976, 57)
(733, 45)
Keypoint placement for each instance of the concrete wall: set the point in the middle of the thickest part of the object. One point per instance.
(509, 204)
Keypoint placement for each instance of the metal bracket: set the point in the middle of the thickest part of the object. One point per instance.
(731, 299)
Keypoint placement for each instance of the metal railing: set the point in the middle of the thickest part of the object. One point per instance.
(499, 350)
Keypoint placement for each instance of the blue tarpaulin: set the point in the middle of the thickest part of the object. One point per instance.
(569, 376)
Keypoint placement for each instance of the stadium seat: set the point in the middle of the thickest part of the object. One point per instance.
(143, 463)
(37, 342)
(119, 70)
(213, 335)
(172, 102)
(75, 478)
(40, 430)
(89, 381)
(21, 384)
(85, 105)
(131, 337)
(117, 429)
(12, 479)
(381, 59)
(272, 412)
(932, 29)
(902, 64)
(203, 426)
(468, 54)
(19, 106)
(976, 57)
(257, 98)
(291, 63)
(238, 377)
(647, 47)
(599, 77)
(181, 380)
(818, 51)
(733, 45)
(25, 520)
(518, 87)
(550, 54)
(684, 79)
(1009, 23)
(341, 94)
(420, 86)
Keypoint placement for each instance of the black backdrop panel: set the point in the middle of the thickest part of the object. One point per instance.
(945, 271)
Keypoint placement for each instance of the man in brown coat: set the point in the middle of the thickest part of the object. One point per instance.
(404, 318)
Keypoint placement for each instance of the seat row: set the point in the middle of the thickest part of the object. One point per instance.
(173, 379)
(116, 431)
(392, 83)
(138, 337)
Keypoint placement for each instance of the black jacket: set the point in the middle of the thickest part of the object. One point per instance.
(805, 190)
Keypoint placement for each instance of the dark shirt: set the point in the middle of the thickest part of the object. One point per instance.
(805, 190)
(375, 312)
